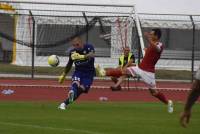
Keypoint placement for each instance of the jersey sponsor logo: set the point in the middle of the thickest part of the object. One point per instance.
(81, 61)
(76, 79)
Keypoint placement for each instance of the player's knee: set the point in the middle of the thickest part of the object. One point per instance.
(84, 88)
(126, 71)
(76, 83)
(153, 92)
(114, 79)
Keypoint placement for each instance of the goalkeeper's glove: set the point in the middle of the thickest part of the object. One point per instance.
(61, 78)
(77, 56)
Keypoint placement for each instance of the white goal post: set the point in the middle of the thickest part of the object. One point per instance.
(67, 13)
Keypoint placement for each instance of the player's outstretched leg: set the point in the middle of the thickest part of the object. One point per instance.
(101, 72)
(62, 106)
(170, 106)
(163, 99)
(73, 94)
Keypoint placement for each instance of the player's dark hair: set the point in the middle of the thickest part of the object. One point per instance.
(157, 32)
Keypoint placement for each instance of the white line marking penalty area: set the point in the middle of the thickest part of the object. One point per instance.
(49, 128)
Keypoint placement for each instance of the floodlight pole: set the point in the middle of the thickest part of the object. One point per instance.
(33, 46)
(193, 45)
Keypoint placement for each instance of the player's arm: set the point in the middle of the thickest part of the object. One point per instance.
(151, 42)
(77, 56)
(145, 49)
(66, 71)
(149, 38)
(68, 67)
(90, 54)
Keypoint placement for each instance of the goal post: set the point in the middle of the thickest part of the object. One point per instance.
(109, 27)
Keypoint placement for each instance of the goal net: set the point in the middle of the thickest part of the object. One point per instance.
(49, 28)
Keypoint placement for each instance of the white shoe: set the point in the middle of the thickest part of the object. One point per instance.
(100, 71)
(62, 106)
(170, 106)
(71, 96)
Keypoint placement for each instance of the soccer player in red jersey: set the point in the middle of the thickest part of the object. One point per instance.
(146, 69)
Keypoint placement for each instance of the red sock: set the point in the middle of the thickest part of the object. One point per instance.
(114, 72)
(161, 97)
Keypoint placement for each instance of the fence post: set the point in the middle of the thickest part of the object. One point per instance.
(193, 45)
(33, 46)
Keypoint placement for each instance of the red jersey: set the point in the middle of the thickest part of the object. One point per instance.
(152, 55)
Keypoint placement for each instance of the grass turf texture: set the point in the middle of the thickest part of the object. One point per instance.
(94, 118)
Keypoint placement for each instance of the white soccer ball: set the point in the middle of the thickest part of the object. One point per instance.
(53, 60)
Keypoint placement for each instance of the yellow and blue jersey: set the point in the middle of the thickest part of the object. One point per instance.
(84, 68)
(84, 65)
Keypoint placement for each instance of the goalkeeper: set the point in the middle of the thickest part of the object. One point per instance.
(82, 55)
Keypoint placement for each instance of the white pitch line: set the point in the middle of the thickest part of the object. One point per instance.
(49, 128)
(96, 87)
(31, 85)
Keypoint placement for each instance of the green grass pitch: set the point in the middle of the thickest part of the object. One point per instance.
(94, 118)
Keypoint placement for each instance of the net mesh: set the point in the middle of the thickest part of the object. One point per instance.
(108, 28)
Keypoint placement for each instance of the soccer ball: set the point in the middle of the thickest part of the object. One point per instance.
(53, 60)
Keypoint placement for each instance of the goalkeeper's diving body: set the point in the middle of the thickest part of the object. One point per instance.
(82, 55)
(146, 69)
